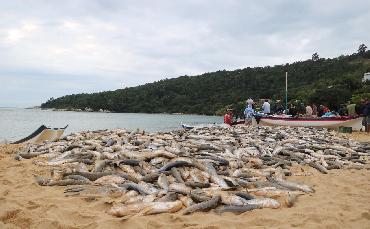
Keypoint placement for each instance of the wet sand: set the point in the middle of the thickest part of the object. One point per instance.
(341, 200)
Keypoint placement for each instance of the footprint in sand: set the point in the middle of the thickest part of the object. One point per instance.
(346, 207)
(6, 192)
(365, 215)
(154, 224)
(175, 218)
(32, 205)
(7, 182)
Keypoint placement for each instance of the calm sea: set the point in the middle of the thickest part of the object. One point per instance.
(18, 123)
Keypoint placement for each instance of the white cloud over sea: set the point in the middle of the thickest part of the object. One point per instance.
(52, 48)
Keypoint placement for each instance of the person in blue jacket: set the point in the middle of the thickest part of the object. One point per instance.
(248, 113)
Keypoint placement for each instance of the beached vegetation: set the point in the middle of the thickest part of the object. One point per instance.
(317, 80)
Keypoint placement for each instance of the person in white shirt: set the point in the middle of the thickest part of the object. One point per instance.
(266, 107)
(309, 111)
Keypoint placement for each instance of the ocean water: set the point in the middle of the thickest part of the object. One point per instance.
(18, 123)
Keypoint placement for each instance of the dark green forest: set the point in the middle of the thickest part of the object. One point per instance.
(318, 80)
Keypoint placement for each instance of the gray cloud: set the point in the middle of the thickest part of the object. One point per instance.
(52, 48)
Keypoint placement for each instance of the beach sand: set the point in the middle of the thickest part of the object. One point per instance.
(359, 136)
(341, 200)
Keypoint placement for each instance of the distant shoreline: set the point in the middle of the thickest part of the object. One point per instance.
(78, 110)
(107, 111)
(102, 111)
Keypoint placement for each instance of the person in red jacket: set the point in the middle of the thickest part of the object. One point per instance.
(228, 117)
(326, 109)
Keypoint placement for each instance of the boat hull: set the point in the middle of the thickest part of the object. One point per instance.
(331, 123)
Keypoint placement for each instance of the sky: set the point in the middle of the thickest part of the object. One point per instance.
(52, 48)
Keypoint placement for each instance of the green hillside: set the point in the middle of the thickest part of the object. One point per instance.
(322, 81)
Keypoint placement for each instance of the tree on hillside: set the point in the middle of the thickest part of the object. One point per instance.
(362, 49)
(325, 81)
(330, 96)
(315, 56)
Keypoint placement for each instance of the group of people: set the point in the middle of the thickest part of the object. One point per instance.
(249, 112)
(297, 109)
(309, 110)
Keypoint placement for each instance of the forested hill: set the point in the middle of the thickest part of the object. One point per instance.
(322, 81)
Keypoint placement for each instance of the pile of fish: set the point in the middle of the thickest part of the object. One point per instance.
(229, 169)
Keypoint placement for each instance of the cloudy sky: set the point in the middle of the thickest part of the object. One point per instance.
(53, 48)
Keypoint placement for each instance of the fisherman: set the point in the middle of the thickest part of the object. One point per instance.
(228, 117)
(301, 109)
(248, 113)
(342, 111)
(292, 110)
(327, 112)
(266, 107)
(322, 110)
(360, 107)
(309, 111)
(279, 108)
(351, 109)
(326, 109)
(314, 110)
(366, 120)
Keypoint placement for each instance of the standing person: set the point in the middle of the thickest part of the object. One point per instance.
(314, 110)
(351, 109)
(292, 110)
(326, 109)
(322, 110)
(279, 108)
(266, 107)
(273, 107)
(366, 121)
(326, 112)
(309, 111)
(360, 107)
(248, 113)
(301, 109)
(342, 111)
(228, 117)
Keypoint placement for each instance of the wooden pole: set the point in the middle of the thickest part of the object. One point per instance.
(286, 92)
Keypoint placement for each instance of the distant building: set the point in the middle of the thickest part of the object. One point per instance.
(366, 77)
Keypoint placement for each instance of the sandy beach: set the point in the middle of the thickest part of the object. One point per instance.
(341, 200)
(184, 114)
